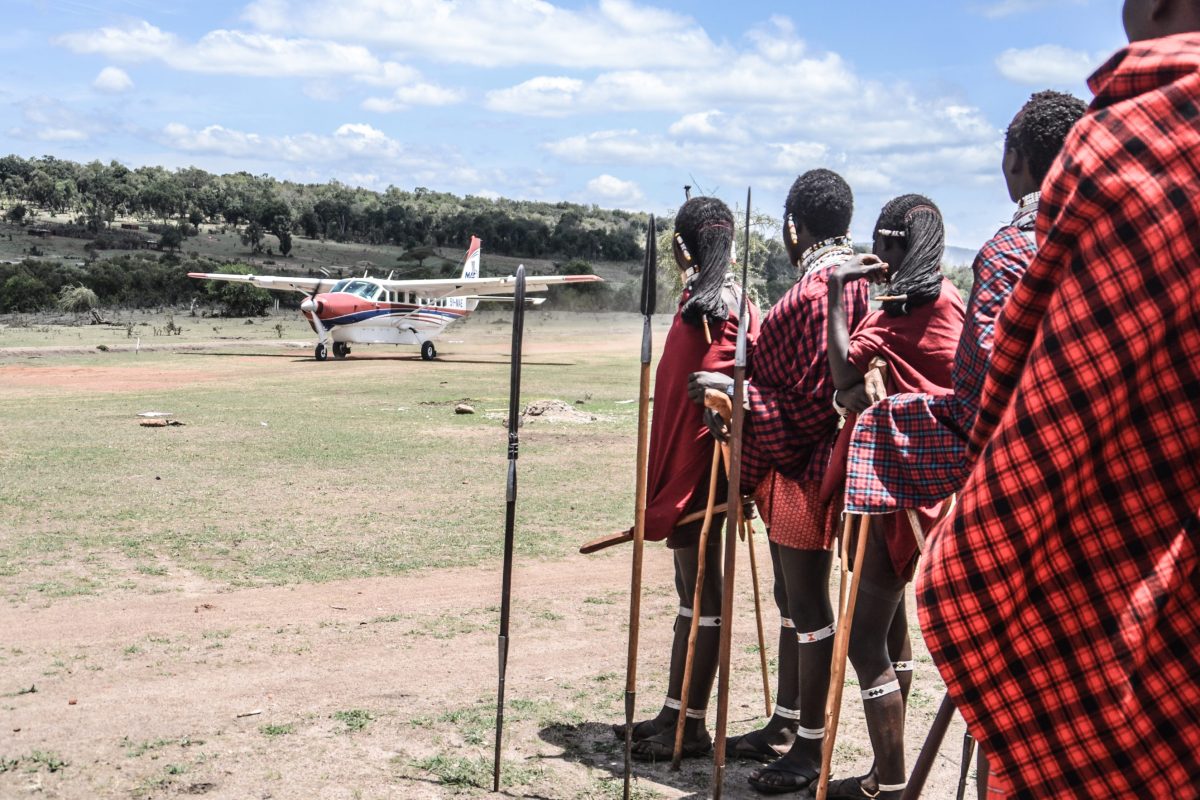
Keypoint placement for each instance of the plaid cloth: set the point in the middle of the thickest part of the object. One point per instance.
(910, 450)
(791, 424)
(1061, 600)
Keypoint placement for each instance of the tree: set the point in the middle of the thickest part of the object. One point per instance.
(17, 213)
(77, 299)
(285, 242)
(171, 238)
(23, 292)
(239, 299)
(252, 236)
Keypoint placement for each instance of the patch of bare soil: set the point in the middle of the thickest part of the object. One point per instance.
(369, 688)
(555, 411)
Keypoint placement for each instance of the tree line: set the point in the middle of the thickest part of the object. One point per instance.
(260, 204)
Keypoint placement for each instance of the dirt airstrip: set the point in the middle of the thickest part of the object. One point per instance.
(375, 687)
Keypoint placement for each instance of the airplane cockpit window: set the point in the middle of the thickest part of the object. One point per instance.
(364, 289)
(340, 286)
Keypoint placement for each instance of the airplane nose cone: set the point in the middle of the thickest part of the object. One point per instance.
(310, 306)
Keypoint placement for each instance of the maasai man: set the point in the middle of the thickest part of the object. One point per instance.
(790, 428)
(916, 333)
(910, 450)
(703, 336)
(1061, 599)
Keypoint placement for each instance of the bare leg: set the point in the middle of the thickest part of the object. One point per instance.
(807, 575)
(660, 743)
(880, 598)
(780, 730)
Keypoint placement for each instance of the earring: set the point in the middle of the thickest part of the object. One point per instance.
(791, 224)
(683, 248)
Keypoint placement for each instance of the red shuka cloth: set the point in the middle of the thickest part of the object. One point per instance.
(680, 445)
(919, 349)
(1061, 599)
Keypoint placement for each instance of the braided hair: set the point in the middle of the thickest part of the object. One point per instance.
(914, 219)
(822, 201)
(1039, 129)
(705, 226)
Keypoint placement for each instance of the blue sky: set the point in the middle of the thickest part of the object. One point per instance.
(612, 102)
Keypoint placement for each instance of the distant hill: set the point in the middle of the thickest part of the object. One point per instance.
(959, 256)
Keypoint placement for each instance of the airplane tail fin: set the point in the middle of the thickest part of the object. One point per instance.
(470, 270)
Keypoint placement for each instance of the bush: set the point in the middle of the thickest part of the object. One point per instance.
(23, 293)
(76, 299)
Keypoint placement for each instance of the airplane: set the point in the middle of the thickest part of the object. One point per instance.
(383, 311)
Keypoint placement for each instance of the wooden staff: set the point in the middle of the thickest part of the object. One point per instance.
(841, 646)
(734, 520)
(758, 618)
(649, 285)
(697, 592)
(875, 381)
(929, 750)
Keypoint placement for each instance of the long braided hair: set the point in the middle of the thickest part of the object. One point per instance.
(917, 221)
(704, 225)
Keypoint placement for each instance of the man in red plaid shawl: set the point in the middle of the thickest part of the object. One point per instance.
(790, 427)
(1061, 600)
(910, 450)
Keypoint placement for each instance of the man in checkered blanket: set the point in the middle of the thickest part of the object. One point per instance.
(1061, 599)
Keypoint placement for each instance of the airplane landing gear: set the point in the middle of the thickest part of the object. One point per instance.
(428, 352)
(340, 349)
(319, 353)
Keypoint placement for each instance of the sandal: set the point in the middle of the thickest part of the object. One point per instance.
(662, 747)
(641, 730)
(850, 789)
(796, 777)
(752, 746)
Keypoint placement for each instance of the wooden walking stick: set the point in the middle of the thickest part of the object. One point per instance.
(929, 750)
(734, 518)
(649, 286)
(964, 768)
(514, 420)
(847, 601)
(694, 628)
(758, 617)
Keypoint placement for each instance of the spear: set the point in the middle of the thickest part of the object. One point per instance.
(514, 410)
(734, 521)
(649, 285)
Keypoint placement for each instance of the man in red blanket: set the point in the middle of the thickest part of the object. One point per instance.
(703, 336)
(790, 428)
(1061, 600)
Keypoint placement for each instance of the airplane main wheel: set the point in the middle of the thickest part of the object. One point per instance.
(428, 352)
(319, 353)
(340, 350)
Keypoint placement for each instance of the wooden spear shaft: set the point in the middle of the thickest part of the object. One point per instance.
(697, 593)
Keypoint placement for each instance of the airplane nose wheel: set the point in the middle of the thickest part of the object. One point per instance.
(340, 349)
(320, 353)
(427, 351)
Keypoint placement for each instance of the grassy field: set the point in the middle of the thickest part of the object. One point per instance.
(295, 592)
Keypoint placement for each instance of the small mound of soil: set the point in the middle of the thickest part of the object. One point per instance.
(555, 411)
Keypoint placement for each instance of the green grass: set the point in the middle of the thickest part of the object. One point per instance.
(354, 719)
(277, 730)
(361, 470)
(462, 773)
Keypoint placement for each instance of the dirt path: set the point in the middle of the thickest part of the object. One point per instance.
(141, 696)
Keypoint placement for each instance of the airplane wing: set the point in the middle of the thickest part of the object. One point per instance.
(276, 282)
(470, 287)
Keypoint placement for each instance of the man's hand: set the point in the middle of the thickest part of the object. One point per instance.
(854, 399)
(861, 266)
(698, 382)
(716, 424)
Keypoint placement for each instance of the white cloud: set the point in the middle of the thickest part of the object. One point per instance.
(418, 94)
(706, 124)
(490, 33)
(113, 80)
(357, 151)
(1047, 64)
(231, 52)
(615, 192)
(729, 77)
(48, 120)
